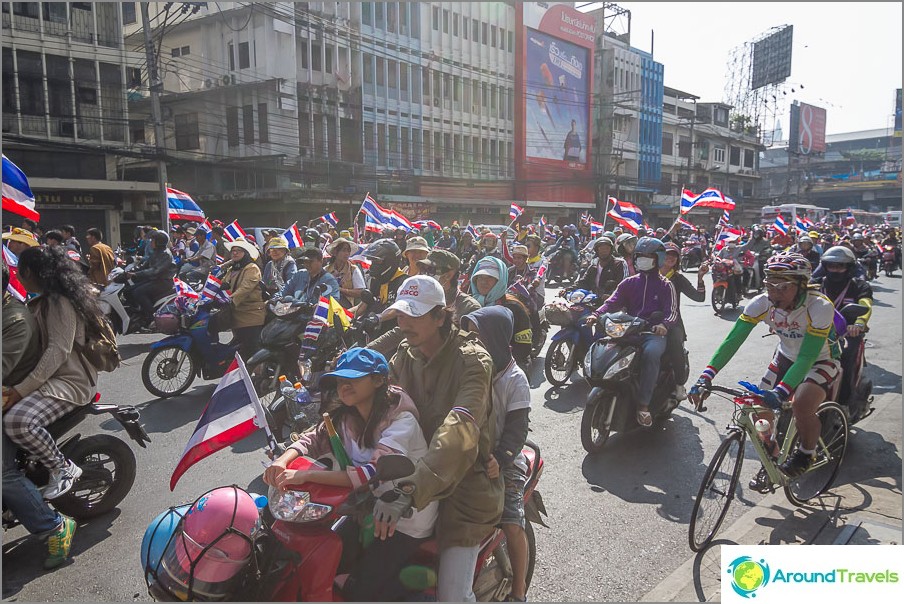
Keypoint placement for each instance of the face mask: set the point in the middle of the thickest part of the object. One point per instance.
(833, 277)
(644, 264)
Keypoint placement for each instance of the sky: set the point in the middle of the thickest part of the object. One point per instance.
(847, 55)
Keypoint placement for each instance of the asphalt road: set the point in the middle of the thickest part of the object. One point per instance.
(618, 520)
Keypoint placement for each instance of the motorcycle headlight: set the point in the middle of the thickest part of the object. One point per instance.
(295, 506)
(619, 365)
(616, 330)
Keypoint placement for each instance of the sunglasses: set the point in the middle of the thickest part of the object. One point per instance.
(780, 287)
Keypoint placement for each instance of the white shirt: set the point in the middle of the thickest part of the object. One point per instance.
(511, 391)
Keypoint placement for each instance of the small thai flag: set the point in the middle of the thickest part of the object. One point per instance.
(428, 224)
(213, 290)
(322, 312)
(515, 211)
(595, 228)
(184, 290)
(780, 225)
(723, 221)
(17, 195)
(181, 206)
(543, 222)
(293, 236)
(312, 330)
(360, 260)
(685, 224)
(15, 287)
(234, 231)
(219, 259)
(472, 230)
(206, 228)
(330, 218)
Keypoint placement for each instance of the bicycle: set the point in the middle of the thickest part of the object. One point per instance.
(717, 490)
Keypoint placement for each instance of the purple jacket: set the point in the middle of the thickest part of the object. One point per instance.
(643, 294)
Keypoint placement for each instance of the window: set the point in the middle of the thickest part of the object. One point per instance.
(263, 123)
(316, 59)
(380, 19)
(328, 58)
(718, 154)
(668, 143)
(485, 32)
(403, 18)
(393, 74)
(467, 91)
(426, 83)
(454, 24)
(493, 100)
(403, 76)
(684, 147)
(475, 30)
(133, 77)
(437, 87)
(136, 131)
(381, 77)
(720, 116)
(232, 126)
(435, 18)
(248, 123)
(748, 158)
(511, 41)
(244, 55)
(747, 188)
(26, 9)
(464, 27)
(186, 125)
(456, 96)
(128, 13)
(447, 87)
(55, 12)
(493, 36)
(367, 15)
(368, 68)
(392, 15)
(230, 52)
(501, 38)
(182, 51)
(445, 21)
(734, 156)
(31, 85)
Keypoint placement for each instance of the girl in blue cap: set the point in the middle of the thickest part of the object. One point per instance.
(372, 419)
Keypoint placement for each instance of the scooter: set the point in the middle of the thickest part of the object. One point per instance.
(889, 260)
(191, 349)
(113, 303)
(859, 397)
(725, 289)
(691, 256)
(573, 340)
(298, 551)
(108, 464)
(612, 368)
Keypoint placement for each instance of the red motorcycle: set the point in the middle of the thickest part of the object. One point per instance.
(297, 548)
(889, 260)
(726, 288)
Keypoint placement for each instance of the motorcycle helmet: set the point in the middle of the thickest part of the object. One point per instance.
(805, 239)
(757, 232)
(625, 238)
(212, 544)
(672, 247)
(311, 237)
(839, 255)
(858, 237)
(650, 245)
(160, 239)
(158, 535)
(602, 241)
(384, 256)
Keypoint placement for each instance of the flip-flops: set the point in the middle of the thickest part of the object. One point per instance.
(645, 419)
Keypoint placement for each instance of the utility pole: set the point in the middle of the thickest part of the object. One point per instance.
(155, 86)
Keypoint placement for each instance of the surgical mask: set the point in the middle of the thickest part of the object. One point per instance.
(645, 264)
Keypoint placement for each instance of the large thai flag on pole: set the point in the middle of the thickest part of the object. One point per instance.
(15, 287)
(377, 212)
(234, 231)
(398, 220)
(688, 199)
(515, 211)
(372, 225)
(710, 198)
(233, 413)
(626, 214)
(293, 236)
(17, 195)
(780, 225)
(182, 207)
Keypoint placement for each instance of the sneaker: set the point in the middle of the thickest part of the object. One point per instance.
(796, 464)
(61, 481)
(59, 543)
(761, 483)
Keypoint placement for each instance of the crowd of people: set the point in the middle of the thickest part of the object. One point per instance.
(445, 381)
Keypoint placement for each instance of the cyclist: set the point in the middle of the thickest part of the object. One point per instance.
(806, 361)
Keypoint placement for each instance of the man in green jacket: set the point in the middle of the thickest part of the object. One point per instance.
(448, 374)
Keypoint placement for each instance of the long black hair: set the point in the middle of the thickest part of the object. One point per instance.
(60, 276)
(340, 413)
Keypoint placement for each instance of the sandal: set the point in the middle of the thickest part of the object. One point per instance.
(645, 419)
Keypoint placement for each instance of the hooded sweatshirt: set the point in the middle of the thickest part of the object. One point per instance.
(510, 389)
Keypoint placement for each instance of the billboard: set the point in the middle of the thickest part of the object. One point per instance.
(807, 134)
(557, 111)
(772, 58)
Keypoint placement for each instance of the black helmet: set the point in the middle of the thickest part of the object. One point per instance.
(312, 235)
(384, 256)
(160, 239)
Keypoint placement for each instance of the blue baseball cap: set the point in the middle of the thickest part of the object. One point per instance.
(356, 363)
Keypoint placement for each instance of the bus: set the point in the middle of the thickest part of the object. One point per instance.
(790, 211)
(893, 218)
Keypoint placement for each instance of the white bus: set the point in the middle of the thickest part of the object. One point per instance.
(790, 211)
(893, 218)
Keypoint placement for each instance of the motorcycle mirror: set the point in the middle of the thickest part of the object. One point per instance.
(393, 467)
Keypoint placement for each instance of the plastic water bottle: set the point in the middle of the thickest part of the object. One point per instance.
(261, 502)
(303, 401)
(285, 387)
(764, 431)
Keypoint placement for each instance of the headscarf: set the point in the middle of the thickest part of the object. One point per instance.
(498, 290)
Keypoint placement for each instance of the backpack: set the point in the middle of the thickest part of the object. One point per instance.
(100, 349)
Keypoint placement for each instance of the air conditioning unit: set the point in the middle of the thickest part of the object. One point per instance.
(208, 83)
(436, 101)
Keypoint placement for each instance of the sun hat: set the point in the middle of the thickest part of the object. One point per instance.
(22, 236)
(331, 248)
(416, 297)
(416, 243)
(520, 249)
(244, 244)
(441, 261)
(278, 243)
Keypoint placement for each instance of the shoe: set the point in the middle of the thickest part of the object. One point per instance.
(760, 483)
(796, 464)
(679, 393)
(61, 481)
(644, 419)
(59, 544)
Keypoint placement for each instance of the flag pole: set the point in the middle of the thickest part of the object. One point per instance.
(606, 213)
(273, 447)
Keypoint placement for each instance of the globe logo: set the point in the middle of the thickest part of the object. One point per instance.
(748, 575)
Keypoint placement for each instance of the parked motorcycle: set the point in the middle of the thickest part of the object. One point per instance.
(114, 305)
(725, 290)
(612, 368)
(297, 550)
(889, 260)
(107, 463)
(573, 340)
(191, 349)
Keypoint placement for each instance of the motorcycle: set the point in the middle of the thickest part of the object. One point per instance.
(116, 308)
(889, 260)
(860, 396)
(691, 256)
(573, 340)
(191, 349)
(108, 464)
(870, 263)
(748, 261)
(297, 552)
(612, 368)
(557, 271)
(725, 289)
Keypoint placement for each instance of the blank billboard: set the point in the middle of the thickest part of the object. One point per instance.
(772, 58)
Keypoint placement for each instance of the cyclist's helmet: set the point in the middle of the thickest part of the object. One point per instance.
(650, 245)
(384, 256)
(788, 266)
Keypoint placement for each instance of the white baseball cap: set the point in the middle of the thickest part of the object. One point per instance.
(416, 297)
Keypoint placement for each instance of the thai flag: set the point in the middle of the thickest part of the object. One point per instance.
(219, 259)
(378, 213)
(849, 219)
(627, 214)
(372, 225)
(234, 231)
(473, 231)
(293, 236)
(15, 287)
(543, 222)
(428, 224)
(398, 220)
(213, 290)
(17, 195)
(311, 333)
(184, 290)
(182, 207)
(686, 224)
(801, 226)
(515, 211)
(727, 234)
(330, 218)
(322, 312)
(710, 198)
(233, 413)
(688, 199)
(206, 228)
(360, 260)
(780, 225)
(595, 228)
(723, 221)
(585, 217)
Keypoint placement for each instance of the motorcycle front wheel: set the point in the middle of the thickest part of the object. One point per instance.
(594, 429)
(718, 299)
(168, 371)
(108, 472)
(559, 363)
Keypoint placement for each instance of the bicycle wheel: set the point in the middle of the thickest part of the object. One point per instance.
(716, 491)
(833, 440)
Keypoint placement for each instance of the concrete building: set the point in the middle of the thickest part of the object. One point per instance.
(65, 111)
